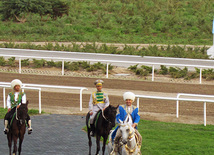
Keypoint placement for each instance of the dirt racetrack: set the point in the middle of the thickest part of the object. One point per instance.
(65, 101)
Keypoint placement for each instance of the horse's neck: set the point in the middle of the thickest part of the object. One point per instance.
(131, 143)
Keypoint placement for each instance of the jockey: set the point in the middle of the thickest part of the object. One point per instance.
(98, 101)
(128, 108)
(14, 100)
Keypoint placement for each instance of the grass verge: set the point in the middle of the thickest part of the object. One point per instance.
(160, 138)
(30, 112)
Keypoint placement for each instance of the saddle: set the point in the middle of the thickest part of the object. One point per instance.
(95, 119)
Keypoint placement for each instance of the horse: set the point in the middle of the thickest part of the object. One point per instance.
(129, 141)
(17, 129)
(104, 123)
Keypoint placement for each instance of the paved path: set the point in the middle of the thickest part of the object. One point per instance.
(53, 134)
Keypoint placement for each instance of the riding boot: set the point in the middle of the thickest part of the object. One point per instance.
(6, 130)
(30, 130)
(92, 130)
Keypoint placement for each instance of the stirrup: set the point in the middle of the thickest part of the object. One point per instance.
(6, 130)
(92, 134)
(30, 130)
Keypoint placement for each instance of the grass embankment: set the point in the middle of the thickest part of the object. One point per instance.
(30, 112)
(160, 138)
(120, 21)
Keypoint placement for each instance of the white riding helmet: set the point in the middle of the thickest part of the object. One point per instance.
(16, 82)
(129, 95)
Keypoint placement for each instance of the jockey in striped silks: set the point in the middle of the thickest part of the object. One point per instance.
(98, 101)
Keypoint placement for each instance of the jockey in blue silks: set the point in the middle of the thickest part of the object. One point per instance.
(124, 110)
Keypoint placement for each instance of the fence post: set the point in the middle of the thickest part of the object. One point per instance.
(107, 70)
(205, 114)
(20, 65)
(81, 99)
(63, 64)
(153, 72)
(200, 75)
(138, 102)
(40, 102)
(4, 98)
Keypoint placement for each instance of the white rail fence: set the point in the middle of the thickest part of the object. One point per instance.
(38, 87)
(31, 88)
(107, 63)
(177, 99)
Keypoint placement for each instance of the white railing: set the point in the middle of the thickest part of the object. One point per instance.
(176, 99)
(51, 86)
(110, 61)
(31, 88)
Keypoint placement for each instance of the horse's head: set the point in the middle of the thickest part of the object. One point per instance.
(126, 129)
(22, 112)
(110, 114)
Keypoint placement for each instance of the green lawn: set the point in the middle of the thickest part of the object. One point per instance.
(161, 138)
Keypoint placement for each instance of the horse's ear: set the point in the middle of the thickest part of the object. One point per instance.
(127, 119)
(27, 103)
(117, 106)
(120, 121)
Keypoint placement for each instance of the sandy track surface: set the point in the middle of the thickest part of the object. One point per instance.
(60, 101)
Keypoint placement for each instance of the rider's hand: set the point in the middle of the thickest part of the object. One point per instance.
(91, 113)
(18, 106)
(9, 110)
(134, 125)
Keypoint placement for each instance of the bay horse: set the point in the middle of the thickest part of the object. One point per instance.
(104, 122)
(17, 129)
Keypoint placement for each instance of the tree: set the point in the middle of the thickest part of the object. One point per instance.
(20, 9)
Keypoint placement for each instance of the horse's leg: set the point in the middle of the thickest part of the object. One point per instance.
(98, 144)
(9, 138)
(21, 137)
(89, 141)
(104, 143)
(15, 144)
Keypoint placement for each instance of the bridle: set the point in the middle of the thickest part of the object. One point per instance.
(105, 117)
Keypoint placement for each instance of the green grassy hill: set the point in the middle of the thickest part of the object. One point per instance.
(121, 21)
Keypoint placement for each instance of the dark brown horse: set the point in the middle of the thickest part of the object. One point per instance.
(104, 123)
(17, 129)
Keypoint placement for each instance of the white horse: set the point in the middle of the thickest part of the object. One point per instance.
(128, 143)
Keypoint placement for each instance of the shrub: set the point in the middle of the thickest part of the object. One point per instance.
(39, 63)
(133, 68)
(2, 61)
(58, 64)
(51, 63)
(25, 62)
(163, 70)
(177, 72)
(85, 64)
(11, 62)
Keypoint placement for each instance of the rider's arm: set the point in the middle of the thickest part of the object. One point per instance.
(90, 104)
(24, 98)
(137, 116)
(106, 101)
(8, 102)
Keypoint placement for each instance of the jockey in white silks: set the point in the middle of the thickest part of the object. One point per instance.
(124, 110)
(98, 101)
(14, 100)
